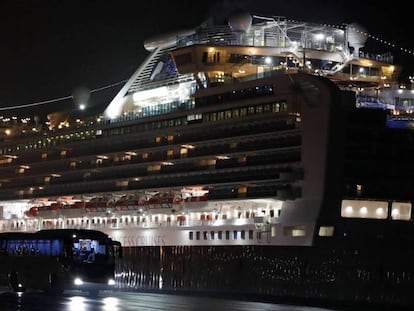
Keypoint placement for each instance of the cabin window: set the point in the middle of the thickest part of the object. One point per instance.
(276, 107)
(326, 231)
(364, 209)
(250, 234)
(295, 231)
(401, 210)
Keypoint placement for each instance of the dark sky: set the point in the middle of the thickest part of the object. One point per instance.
(50, 48)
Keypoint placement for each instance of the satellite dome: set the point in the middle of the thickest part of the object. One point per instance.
(81, 95)
(240, 20)
(357, 35)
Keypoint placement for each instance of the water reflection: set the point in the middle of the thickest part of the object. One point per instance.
(111, 304)
(76, 303)
(80, 303)
(134, 301)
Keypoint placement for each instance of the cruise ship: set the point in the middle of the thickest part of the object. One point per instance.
(248, 155)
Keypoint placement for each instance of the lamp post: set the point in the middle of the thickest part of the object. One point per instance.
(411, 78)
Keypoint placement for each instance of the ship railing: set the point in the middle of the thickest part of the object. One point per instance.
(180, 221)
(269, 32)
(385, 57)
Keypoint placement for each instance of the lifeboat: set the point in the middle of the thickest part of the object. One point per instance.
(32, 212)
(77, 204)
(55, 206)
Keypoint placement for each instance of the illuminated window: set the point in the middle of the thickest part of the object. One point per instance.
(276, 107)
(401, 211)
(235, 235)
(326, 231)
(121, 183)
(211, 162)
(273, 231)
(44, 155)
(296, 231)
(183, 152)
(364, 209)
(380, 211)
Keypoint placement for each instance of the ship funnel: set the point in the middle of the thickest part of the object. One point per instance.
(357, 36)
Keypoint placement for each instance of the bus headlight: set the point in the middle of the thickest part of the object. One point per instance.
(111, 282)
(78, 281)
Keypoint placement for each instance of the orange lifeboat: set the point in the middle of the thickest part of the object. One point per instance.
(32, 212)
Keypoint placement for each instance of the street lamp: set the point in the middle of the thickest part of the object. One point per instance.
(411, 78)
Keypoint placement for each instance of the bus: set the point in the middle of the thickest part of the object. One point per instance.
(55, 260)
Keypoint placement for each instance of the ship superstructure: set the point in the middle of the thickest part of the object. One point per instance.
(257, 132)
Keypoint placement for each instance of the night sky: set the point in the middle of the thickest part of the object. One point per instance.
(51, 48)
